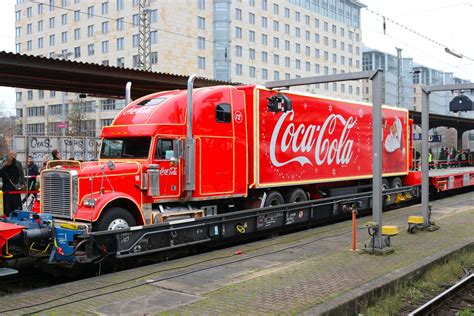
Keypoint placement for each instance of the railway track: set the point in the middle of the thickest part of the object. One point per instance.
(29, 280)
(457, 298)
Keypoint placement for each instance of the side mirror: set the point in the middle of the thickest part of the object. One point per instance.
(279, 102)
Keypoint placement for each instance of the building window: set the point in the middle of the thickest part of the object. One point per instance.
(238, 32)
(52, 40)
(153, 16)
(40, 42)
(276, 75)
(252, 36)
(18, 31)
(154, 58)
(264, 74)
(251, 18)
(51, 5)
(120, 62)
(64, 37)
(298, 64)
(264, 22)
(135, 20)
(297, 16)
(90, 30)
(19, 113)
(35, 111)
(135, 40)
(35, 129)
(29, 28)
(307, 66)
(238, 51)
(90, 12)
(120, 24)
(252, 72)
(201, 42)
(297, 48)
(77, 34)
(252, 54)
(287, 62)
(29, 12)
(17, 15)
(41, 95)
(105, 27)
(18, 96)
(105, 8)
(264, 57)
(287, 13)
(297, 32)
(326, 26)
(135, 61)
(120, 43)
(316, 52)
(64, 19)
(90, 49)
(276, 59)
(105, 63)
(120, 5)
(201, 63)
(52, 94)
(77, 52)
(287, 45)
(40, 26)
(106, 122)
(276, 42)
(201, 4)
(154, 37)
(52, 22)
(238, 14)
(77, 15)
(201, 23)
(264, 5)
(30, 95)
(105, 46)
(287, 29)
(276, 26)
(276, 9)
(264, 39)
(238, 69)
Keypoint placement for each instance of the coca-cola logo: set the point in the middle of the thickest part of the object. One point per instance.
(330, 142)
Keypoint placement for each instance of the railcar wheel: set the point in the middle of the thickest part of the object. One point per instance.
(274, 198)
(115, 218)
(296, 195)
(385, 184)
(396, 183)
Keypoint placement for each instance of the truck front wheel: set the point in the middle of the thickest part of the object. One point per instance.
(115, 218)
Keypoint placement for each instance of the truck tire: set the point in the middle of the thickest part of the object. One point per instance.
(295, 195)
(385, 185)
(274, 198)
(115, 218)
(396, 183)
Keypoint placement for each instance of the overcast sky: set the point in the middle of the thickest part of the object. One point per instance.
(447, 22)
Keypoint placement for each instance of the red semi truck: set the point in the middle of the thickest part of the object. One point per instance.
(219, 149)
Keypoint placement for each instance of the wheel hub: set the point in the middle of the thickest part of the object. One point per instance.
(118, 223)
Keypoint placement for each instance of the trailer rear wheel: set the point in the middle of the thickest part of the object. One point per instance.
(296, 195)
(385, 184)
(274, 198)
(396, 183)
(115, 218)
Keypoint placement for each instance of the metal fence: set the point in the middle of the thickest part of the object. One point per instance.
(79, 148)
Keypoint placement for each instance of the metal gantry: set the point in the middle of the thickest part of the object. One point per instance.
(376, 77)
(144, 37)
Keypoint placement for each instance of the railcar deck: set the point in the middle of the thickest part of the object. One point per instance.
(452, 178)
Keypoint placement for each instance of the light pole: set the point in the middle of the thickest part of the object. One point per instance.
(63, 55)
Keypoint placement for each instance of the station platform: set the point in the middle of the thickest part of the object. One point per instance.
(307, 272)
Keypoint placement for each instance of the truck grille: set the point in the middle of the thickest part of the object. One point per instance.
(56, 194)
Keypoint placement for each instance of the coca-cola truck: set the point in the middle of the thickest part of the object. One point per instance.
(218, 149)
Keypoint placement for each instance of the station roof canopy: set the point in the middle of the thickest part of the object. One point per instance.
(438, 120)
(41, 73)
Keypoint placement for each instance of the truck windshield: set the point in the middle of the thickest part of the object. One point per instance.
(133, 147)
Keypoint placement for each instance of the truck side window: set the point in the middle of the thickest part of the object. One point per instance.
(164, 148)
(223, 114)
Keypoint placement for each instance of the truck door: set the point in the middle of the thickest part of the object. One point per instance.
(167, 153)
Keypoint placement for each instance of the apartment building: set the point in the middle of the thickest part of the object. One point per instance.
(248, 41)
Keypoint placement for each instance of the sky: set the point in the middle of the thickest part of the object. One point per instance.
(448, 23)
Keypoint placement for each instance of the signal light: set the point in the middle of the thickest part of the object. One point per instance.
(460, 103)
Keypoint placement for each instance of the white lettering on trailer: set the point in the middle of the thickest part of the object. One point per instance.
(301, 139)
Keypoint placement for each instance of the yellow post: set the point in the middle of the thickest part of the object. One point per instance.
(1, 203)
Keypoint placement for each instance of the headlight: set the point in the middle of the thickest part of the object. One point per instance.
(89, 202)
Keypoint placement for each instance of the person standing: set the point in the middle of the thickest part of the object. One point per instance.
(13, 178)
(31, 174)
(56, 154)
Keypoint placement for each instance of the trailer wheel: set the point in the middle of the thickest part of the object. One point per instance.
(296, 195)
(396, 183)
(274, 198)
(115, 218)
(385, 184)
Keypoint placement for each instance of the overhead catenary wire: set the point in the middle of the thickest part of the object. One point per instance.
(411, 30)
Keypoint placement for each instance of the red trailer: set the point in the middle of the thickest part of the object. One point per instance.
(244, 147)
